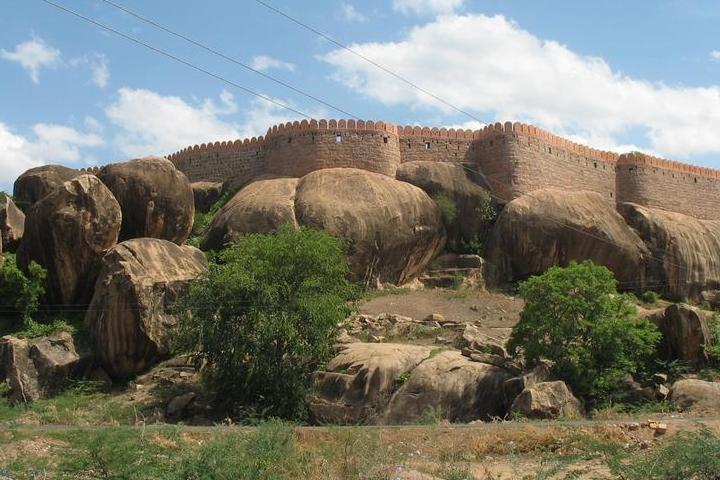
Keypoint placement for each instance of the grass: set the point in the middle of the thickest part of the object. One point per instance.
(613, 411)
(369, 294)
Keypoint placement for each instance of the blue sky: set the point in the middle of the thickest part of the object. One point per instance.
(642, 75)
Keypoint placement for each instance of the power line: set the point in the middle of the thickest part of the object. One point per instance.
(224, 56)
(368, 60)
(174, 57)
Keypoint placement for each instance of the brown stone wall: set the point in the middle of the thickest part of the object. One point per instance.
(657, 183)
(434, 145)
(297, 149)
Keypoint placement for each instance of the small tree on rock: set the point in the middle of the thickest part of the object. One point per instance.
(575, 318)
(265, 317)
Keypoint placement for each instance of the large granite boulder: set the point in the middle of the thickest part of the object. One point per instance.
(37, 182)
(67, 232)
(455, 386)
(357, 384)
(40, 367)
(685, 332)
(206, 194)
(393, 229)
(261, 207)
(156, 199)
(547, 400)
(12, 223)
(130, 318)
(695, 395)
(685, 251)
(473, 203)
(553, 227)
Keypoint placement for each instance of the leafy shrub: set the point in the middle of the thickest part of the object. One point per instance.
(203, 219)
(712, 349)
(19, 293)
(266, 315)
(575, 318)
(447, 207)
(649, 297)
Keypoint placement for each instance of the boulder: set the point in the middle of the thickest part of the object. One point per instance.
(37, 182)
(553, 227)
(130, 316)
(393, 229)
(261, 207)
(547, 400)
(473, 339)
(449, 383)
(685, 332)
(472, 202)
(12, 223)
(206, 194)
(38, 368)
(155, 197)
(356, 385)
(515, 386)
(67, 232)
(685, 251)
(696, 395)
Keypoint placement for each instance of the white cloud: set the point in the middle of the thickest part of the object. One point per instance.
(49, 143)
(98, 65)
(427, 7)
(351, 14)
(490, 66)
(715, 54)
(263, 63)
(150, 123)
(33, 55)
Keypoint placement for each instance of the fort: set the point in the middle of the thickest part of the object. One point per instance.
(511, 159)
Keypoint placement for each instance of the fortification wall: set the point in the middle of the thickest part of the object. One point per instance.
(517, 158)
(674, 186)
(302, 147)
(434, 145)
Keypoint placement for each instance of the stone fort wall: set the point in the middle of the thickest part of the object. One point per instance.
(511, 158)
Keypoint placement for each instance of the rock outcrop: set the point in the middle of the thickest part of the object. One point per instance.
(449, 383)
(129, 316)
(12, 223)
(37, 182)
(261, 207)
(695, 395)
(685, 251)
(392, 228)
(206, 194)
(547, 400)
(472, 202)
(357, 384)
(553, 227)
(155, 197)
(67, 232)
(39, 368)
(685, 332)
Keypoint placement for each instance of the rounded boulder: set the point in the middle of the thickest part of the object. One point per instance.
(37, 182)
(156, 199)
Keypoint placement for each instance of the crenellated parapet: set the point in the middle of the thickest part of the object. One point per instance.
(637, 159)
(331, 126)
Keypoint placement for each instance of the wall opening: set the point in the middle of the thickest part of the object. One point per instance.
(427, 145)
(338, 138)
(385, 139)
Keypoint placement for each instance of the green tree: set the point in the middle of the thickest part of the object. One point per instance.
(575, 318)
(447, 207)
(19, 293)
(265, 316)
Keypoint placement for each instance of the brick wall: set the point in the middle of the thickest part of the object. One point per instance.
(433, 144)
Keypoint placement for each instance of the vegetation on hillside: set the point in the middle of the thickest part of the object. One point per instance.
(20, 294)
(203, 219)
(575, 318)
(266, 315)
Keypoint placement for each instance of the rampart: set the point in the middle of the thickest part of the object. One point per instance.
(511, 158)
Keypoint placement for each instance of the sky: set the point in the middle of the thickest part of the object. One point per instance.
(616, 75)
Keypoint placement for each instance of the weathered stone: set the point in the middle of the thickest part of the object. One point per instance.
(711, 297)
(514, 386)
(685, 251)
(685, 332)
(12, 223)
(40, 367)
(696, 395)
(67, 232)
(356, 385)
(155, 197)
(37, 182)
(448, 382)
(472, 201)
(457, 261)
(474, 339)
(553, 227)
(206, 194)
(176, 407)
(261, 207)
(547, 400)
(130, 316)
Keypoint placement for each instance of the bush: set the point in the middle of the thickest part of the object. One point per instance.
(19, 293)
(575, 318)
(447, 207)
(266, 316)
(712, 349)
(203, 220)
(649, 297)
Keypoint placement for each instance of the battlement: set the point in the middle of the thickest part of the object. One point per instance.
(641, 159)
